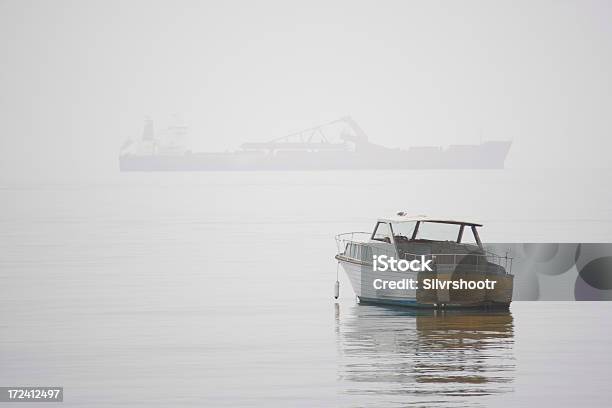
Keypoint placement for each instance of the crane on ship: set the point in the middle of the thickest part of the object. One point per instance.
(315, 139)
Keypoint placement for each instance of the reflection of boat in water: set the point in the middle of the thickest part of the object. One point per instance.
(311, 149)
(433, 357)
(459, 272)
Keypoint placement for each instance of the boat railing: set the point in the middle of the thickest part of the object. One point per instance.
(358, 247)
(356, 237)
(465, 259)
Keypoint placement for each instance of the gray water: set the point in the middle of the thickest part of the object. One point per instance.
(215, 289)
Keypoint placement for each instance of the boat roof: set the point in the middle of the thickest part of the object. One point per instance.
(404, 217)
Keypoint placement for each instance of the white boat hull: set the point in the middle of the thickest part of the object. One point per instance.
(362, 277)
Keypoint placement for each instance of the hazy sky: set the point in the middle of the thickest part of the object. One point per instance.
(78, 77)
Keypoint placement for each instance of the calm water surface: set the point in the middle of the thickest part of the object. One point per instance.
(215, 290)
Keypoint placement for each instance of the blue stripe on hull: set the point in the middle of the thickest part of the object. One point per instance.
(413, 303)
(394, 302)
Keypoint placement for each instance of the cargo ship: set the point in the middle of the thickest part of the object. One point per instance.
(310, 149)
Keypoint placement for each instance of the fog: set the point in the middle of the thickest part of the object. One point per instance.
(79, 77)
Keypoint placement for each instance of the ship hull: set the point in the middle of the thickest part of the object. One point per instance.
(488, 155)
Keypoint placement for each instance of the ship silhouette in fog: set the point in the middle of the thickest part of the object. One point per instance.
(310, 149)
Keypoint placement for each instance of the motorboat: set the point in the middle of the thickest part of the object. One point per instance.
(426, 262)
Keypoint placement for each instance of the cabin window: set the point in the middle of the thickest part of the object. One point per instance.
(357, 251)
(436, 231)
(352, 250)
(366, 254)
(468, 236)
(382, 232)
(402, 231)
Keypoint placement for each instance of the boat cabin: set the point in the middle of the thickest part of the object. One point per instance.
(425, 235)
(453, 252)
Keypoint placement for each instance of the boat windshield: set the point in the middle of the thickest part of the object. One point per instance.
(434, 231)
(403, 230)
